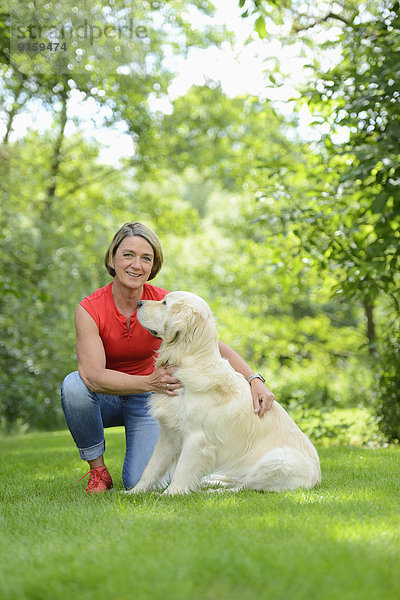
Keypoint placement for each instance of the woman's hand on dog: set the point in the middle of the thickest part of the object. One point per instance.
(163, 380)
(263, 398)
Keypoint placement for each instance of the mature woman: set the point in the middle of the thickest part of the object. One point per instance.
(116, 372)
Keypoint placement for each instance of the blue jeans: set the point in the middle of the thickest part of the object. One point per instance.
(87, 413)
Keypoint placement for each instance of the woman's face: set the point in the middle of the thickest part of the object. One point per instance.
(133, 261)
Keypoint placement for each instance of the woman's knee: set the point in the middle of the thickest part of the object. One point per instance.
(129, 480)
(131, 477)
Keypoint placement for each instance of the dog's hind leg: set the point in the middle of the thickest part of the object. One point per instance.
(216, 479)
(283, 469)
(223, 490)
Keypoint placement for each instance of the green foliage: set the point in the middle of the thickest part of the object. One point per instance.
(347, 219)
(360, 93)
(223, 138)
(118, 72)
(51, 257)
(295, 246)
(60, 206)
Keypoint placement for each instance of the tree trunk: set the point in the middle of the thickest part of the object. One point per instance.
(55, 163)
(369, 313)
(13, 111)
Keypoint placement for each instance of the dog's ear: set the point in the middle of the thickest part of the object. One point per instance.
(182, 322)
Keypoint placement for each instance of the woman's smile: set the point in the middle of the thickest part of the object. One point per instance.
(134, 274)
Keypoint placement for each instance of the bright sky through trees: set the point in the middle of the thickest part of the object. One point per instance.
(241, 67)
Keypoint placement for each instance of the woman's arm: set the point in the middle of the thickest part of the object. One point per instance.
(263, 398)
(92, 365)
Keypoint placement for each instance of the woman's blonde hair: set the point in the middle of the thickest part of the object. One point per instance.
(132, 230)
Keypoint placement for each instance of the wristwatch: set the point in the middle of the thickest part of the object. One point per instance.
(256, 375)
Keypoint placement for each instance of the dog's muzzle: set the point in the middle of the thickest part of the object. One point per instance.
(152, 331)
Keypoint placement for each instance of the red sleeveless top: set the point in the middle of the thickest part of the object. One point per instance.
(132, 351)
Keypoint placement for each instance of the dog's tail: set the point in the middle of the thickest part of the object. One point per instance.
(283, 469)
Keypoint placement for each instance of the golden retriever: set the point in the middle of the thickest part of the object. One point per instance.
(210, 428)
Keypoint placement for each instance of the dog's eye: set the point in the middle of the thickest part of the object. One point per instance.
(164, 302)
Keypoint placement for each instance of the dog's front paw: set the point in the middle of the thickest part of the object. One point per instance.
(138, 489)
(170, 491)
(174, 491)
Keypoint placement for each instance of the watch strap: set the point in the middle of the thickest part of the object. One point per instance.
(255, 376)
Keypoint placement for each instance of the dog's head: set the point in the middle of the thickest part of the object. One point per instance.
(179, 317)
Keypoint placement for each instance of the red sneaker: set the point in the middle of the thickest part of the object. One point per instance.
(99, 480)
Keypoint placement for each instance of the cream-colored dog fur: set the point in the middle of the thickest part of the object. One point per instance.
(210, 428)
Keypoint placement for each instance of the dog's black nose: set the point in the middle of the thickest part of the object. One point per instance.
(140, 303)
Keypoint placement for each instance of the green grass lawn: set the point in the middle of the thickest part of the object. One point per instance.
(338, 541)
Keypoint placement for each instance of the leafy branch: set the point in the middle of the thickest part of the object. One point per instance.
(297, 28)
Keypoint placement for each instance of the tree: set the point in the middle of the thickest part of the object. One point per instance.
(360, 93)
(349, 219)
(59, 205)
(228, 140)
(113, 56)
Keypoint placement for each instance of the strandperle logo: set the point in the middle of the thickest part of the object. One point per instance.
(84, 31)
